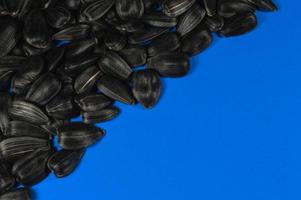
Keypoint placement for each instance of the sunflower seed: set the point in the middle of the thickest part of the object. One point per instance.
(115, 41)
(62, 107)
(196, 41)
(21, 128)
(58, 16)
(103, 115)
(4, 116)
(91, 102)
(239, 24)
(79, 48)
(264, 5)
(64, 162)
(129, 9)
(112, 64)
(16, 147)
(47, 3)
(134, 55)
(72, 4)
(78, 135)
(159, 19)
(7, 181)
(214, 23)
(73, 32)
(230, 8)
(31, 169)
(189, 20)
(172, 64)
(31, 50)
(25, 111)
(164, 43)
(96, 9)
(146, 87)
(36, 30)
(53, 58)
(8, 35)
(146, 35)
(87, 79)
(44, 89)
(82, 63)
(174, 8)
(17, 194)
(210, 6)
(115, 89)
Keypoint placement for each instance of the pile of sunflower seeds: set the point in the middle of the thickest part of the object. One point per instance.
(60, 59)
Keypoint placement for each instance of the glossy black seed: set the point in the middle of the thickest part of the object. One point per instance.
(112, 64)
(17, 147)
(134, 55)
(93, 102)
(7, 180)
(239, 24)
(58, 16)
(175, 8)
(72, 4)
(73, 32)
(230, 8)
(36, 30)
(47, 3)
(17, 194)
(164, 43)
(115, 89)
(82, 63)
(87, 79)
(31, 70)
(196, 41)
(210, 6)
(9, 35)
(214, 23)
(103, 115)
(17, 8)
(158, 19)
(189, 20)
(21, 128)
(96, 9)
(146, 87)
(5, 102)
(129, 9)
(264, 5)
(79, 48)
(78, 135)
(62, 107)
(53, 58)
(64, 162)
(146, 35)
(25, 111)
(129, 26)
(115, 41)
(172, 64)
(30, 50)
(32, 168)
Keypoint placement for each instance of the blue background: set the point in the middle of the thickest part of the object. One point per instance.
(229, 130)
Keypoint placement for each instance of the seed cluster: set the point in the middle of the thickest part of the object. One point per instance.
(69, 58)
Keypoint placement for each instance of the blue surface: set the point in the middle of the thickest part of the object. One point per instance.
(228, 131)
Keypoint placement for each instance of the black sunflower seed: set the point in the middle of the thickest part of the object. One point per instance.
(31, 50)
(17, 7)
(87, 79)
(78, 135)
(115, 89)
(44, 89)
(112, 64)
(17, 194)
(16, 147)
(5, 79)
(146, 34)
(32, 168)
(196, 41)
(31, 69)
(64, 162)
(22, 110)
(96, 9)
(21, 128)
(58, 16)
(52, 127)
(129, 26)
(53, 58)
(189, 20)
(115, 41)
(167, 42)
(7, 180)
(175, 8)
(265, 5)
(210, 6)
(146, 87)
(36, 30)
(230, 8)
(82, 63)
(172, 64)
(11, 63)
(72, 4)
(47, 3)
(79, 48)
(62, 107)
(214, 23)
(4, 113)
(103, 115)
(73, 32)
(8, 35)
(158, 19)
(93, 102)
(134, 55)
(239, 24)
(129, 9)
